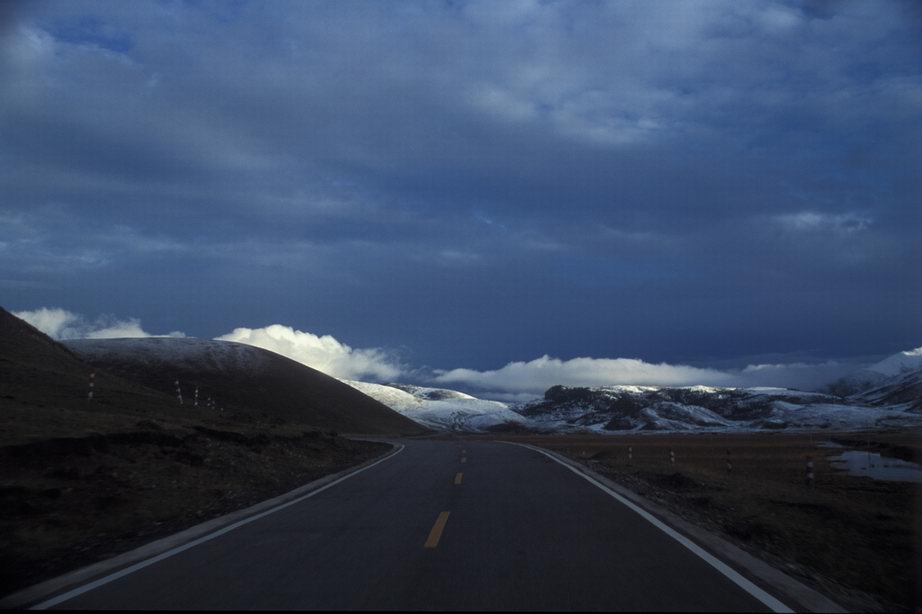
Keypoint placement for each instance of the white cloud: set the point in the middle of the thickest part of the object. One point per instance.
(56, 323)
(537, 375)
(534, 377)
(62, 324)
(324, 353)
(811, 221)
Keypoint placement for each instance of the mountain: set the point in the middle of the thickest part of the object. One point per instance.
(902, 388)
(703, 408)
(443, 409)
(877, 374)
(238, 377)
(44, 386)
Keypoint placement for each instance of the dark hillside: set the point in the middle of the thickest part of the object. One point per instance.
(43, 390)
(83, 480)
(241, 377)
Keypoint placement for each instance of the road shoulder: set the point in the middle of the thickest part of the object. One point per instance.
(768, 578)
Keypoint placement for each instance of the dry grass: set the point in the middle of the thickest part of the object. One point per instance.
(856, 539)
(69, 502)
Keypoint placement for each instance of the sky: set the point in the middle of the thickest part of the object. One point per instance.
(466, 192)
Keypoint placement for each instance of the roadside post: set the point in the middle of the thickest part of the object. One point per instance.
(178, 392)
(89, 395)
(729, 463)
(630, 456)
(671, 457)
(810, 475)
(195, 399)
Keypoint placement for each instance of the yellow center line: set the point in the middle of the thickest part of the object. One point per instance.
(436, 533)
(458, 477)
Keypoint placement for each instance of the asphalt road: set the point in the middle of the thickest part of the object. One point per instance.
(443, 525)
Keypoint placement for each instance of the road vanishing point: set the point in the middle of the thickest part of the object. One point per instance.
(440, 525)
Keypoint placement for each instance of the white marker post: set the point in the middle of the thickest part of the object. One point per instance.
(671, 457)
(89, 395)
(810, 475)
(195, 400)
(178, 392)
(630, 456)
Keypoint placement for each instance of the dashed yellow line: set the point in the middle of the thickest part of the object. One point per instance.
(458, 477)
(436, 533)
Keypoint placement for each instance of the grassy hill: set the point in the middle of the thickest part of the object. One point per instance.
(243, 379)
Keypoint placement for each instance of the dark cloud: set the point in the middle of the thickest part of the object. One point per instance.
(479, 182)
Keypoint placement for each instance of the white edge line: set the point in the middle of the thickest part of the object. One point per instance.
(770, 602)
(76, 592)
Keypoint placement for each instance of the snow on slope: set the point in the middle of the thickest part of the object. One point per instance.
(619, 409)
(903, 388)
(190, 352)
(845, 417)
(901, 362)
(877, 374)
(440, 409)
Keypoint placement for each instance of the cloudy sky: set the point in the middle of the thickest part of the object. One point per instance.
(463, 187)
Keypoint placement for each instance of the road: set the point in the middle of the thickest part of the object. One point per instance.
(442, 525)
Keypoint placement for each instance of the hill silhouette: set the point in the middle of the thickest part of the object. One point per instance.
(238, 377)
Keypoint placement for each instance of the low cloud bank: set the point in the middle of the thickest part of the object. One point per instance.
(62, 324)
(515, 382)
(324, 353)
(534, 377)
(799, 375)
(537, 375)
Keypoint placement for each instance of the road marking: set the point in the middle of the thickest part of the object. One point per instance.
(436, 533)
(50, 603)
(458, 477)
(770, 602)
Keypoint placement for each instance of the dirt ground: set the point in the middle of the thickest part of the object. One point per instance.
(855, 539)
(71, 501)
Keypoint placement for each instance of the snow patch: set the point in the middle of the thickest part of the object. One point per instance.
(440, 408)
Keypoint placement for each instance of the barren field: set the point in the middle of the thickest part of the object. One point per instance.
(856, 539)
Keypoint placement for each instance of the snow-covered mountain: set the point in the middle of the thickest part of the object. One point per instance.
(878, 374)
(901, 362)
(702, 408)
(442, 409)
(902, 388)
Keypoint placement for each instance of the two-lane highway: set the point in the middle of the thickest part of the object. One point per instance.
(442, 525)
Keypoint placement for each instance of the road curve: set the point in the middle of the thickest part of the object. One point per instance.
(444, 525)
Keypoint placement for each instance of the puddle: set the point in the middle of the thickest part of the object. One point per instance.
(856, 462)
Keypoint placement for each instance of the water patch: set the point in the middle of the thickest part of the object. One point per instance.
(877, 467)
